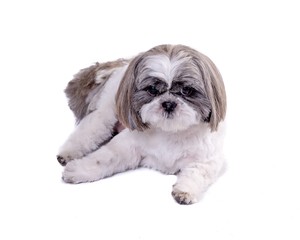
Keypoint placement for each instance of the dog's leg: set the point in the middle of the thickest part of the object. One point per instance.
(92, 131)
(193, 180)
(118, 155)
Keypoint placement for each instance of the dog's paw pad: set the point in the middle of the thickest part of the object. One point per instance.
(183, 198)
(64, 158)
(61, 160)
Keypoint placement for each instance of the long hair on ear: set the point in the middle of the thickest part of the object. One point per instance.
(212, 79)
(127, 115)
(214, 87)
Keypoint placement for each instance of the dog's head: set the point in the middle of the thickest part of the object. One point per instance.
(171, 87)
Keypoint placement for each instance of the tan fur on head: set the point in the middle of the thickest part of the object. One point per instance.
(126, 115)
(214, 86)
(211, 78)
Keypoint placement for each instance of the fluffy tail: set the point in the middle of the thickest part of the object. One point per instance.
(86, 84)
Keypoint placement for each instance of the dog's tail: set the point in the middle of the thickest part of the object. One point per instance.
(86, 84)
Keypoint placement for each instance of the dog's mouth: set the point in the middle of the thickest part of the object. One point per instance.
(169, 116)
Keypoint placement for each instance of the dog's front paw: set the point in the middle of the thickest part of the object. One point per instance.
(80, 171)
(62, 160)
(65, 156)
(183, 197)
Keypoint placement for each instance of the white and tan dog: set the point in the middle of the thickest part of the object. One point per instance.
(162, 109)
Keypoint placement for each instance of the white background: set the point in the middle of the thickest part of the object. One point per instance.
(255, 45)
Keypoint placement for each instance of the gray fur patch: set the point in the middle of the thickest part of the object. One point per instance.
(87, 84)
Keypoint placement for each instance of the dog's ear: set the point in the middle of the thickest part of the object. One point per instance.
(127, 115)
(214, 88)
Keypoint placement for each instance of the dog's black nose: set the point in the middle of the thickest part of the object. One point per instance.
(169, 106)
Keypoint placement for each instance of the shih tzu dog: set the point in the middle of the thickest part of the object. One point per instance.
(163, 109)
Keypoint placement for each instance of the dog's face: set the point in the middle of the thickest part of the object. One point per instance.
(171, 88)
(169, 95)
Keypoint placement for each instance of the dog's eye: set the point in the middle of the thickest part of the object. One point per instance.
(152, 90)
(187, 91)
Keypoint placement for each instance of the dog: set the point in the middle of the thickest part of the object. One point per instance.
(163, 109)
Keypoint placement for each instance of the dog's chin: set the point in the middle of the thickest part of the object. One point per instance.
(179, 120)
(171, 125)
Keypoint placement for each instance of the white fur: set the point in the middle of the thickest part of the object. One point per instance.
(179, 145)
(183, 117)
(162, 67)
(198, 158)
(95, 127)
